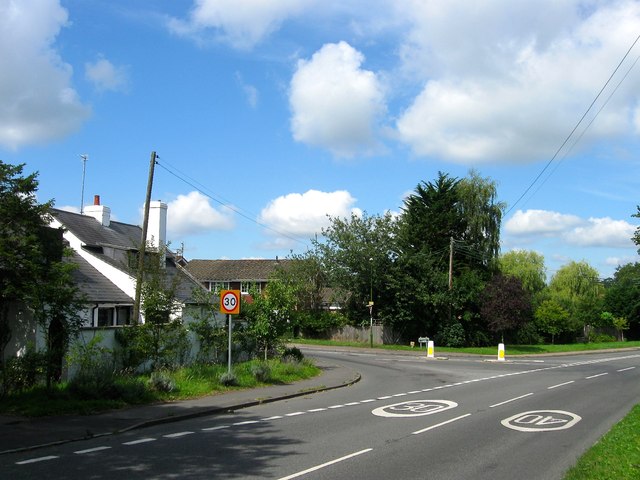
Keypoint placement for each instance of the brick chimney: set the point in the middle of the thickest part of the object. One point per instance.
(99, 212)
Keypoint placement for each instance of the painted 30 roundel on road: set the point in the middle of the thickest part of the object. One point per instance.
(414, 408)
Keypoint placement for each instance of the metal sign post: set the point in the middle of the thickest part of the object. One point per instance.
(229, 304)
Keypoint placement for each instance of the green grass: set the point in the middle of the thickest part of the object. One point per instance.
(188, 382)
(615, 456)
(493, 350)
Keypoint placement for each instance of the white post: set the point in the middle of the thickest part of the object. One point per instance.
(501, 352)
(229, 349)
(430, 353)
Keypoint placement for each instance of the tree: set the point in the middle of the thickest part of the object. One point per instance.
(268, 314)
(528, 266)
(506, 305)
(552, 318)
(577, 287)
(622, 296)
(357, 255)
(32, 268)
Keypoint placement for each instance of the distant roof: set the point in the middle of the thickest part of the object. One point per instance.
(92, 232)
(234, 270)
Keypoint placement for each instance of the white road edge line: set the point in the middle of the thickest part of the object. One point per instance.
(560, 385)
(625, 369)
(511, 400)
(39, 459)
(91, 450)
(440, 424)
(596, 376)
(332, 462)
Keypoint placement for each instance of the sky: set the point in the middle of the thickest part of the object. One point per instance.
(270, 117)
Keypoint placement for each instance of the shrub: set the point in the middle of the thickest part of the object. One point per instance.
(451, 336)
(292, 354)
(21, 373)
(261, 372)
(162, 382)
(228, 379)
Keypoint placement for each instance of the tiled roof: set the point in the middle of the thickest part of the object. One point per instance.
(92, 232)
(122, 237)
(234, 270)
(95, 286)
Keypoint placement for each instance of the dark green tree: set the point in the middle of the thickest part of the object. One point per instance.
(32, 268)
(622, 296)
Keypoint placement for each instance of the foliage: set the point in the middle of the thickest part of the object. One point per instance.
(505, 304)
(161, 381)
(636, 235)
(622, 294)
(212, 336)
(32, 269)
(528, 266)
(551, 318)
(357, 255)
(153, 346)
(261, 371)
(269, 313)
(292, 353)
(228, 379)
(23, 372)
(451, 335)
(577, 288)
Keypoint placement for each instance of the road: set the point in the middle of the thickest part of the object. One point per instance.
(408, 418)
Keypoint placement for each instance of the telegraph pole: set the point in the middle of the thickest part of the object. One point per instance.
(450, 263)
(143, 242)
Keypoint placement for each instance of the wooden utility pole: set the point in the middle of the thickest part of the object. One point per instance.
(143, 241)
(451, 263)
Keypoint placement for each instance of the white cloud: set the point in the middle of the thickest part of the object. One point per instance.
(336, 104)
(540, 222)
(37, 101)
(193, 214)
(506, 81)
(105, 76)
(242, 24)
(305, 214)
(571, 229)
(602, 232)
(250, 92)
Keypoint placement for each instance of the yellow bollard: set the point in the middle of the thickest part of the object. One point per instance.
(501, 352)
(430, 349)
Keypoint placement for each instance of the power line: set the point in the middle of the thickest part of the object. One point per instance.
(201, 188)
(575, 127)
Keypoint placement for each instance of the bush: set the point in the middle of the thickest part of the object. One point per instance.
(21, 373)
(261, 372)
(601, 338)
(162, 382)
(228, 379)
(292, 354)
(451, 336)
(528, 334)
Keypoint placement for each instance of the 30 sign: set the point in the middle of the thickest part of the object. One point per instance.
(230, 302)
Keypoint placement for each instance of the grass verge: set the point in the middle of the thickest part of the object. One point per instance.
(185, 383)
(615, 456)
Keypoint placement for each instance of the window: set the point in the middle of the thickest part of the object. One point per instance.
(245, 287)
(105, 317)
(216, 287)
(123, 315)
(110, 316)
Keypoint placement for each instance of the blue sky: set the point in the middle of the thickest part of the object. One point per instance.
(267, 116)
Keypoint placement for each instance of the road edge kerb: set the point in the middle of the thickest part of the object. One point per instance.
(204, 412)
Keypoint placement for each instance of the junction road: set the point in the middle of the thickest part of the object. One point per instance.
(408, 418)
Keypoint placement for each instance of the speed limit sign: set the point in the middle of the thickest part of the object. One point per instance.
(230, 302)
